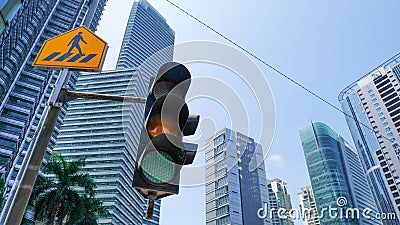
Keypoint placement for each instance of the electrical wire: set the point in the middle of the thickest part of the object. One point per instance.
(270, 66)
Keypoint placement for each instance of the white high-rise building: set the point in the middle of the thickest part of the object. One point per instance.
(279, 198)
(373, 107)
(308, 206)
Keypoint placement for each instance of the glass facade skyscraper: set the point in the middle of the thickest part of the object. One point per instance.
(279, 198)
(146, 33)
(372, 105)
(24, 90)
(233, 193)
(336, 173)
(107, 133)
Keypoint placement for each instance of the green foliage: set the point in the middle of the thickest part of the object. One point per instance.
(56, 197)
(92, 209)
(2, 189)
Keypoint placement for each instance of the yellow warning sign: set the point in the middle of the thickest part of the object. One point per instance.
(77, 49)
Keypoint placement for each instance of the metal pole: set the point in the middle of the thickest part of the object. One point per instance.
(71, 95)
(21, 191)
(24, 186)
(150, 205)
(15, 206)
(91, 12)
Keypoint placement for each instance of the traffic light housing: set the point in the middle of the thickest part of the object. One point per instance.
(161, 152)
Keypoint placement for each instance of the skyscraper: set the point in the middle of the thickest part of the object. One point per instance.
(146, 33)
(336, 173)
(279, 198)
(233, 193)
(308, 206)
(8, 9)
(24, 90)
(372, 105)
(107, 133)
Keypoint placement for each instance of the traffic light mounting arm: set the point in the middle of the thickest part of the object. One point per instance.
(66, 96)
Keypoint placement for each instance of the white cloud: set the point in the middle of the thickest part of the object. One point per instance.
(276, 160)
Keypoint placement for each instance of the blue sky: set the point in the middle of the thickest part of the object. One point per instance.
(324, 45)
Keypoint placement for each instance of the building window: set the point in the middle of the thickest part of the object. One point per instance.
(221, 191)
(223, 220)
(8, 9)
(222, 201)
(219, 148)
(219, 139)
(222, 211)
(221, 182)
(2, 24)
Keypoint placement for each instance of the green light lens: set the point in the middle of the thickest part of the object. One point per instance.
(158, 167)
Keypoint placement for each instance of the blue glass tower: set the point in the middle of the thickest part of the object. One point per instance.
(233, 192)
(372, 105)
(335, 172)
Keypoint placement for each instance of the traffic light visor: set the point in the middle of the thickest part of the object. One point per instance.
(172, 77)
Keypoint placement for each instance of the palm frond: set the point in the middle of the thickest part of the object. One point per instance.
(84, 181)
(57, 199)
(75, 166)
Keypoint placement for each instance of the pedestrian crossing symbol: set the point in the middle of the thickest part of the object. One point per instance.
(79, 49)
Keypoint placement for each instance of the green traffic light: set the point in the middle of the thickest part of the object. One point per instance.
(161, 150)
(158, 167)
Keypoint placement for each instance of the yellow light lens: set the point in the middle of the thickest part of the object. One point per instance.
(157, 126)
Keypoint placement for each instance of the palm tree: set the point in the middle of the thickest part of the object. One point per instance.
(57, 199)
(2, 189)
(92, 208)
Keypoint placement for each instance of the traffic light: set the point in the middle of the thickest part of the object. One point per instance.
(161, 152)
